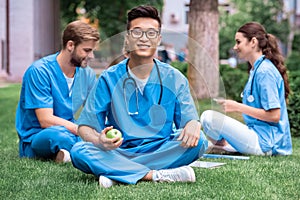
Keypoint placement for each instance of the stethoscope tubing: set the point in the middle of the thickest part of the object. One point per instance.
(250, 98)
(129, 77)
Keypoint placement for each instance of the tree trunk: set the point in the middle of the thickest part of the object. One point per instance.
(203, 71)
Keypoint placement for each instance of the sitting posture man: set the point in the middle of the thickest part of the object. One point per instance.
(150, 103)
(53, 90)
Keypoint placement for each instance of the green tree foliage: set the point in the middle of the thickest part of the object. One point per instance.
(293, 64)
(110, 13)
(293, 60)
(296, 42)
(268, 12)
(110, 16)
(233, 81)
(294, 102)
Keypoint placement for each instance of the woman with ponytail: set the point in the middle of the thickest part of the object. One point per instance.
(266, 130)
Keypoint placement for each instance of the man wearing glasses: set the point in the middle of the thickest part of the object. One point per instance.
(150, 103)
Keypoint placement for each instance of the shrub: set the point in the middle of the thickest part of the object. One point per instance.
(234, 80)
(293, 61)
(181, 66)
(296, 41)
(294, 102)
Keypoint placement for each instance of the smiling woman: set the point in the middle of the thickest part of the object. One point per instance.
(266, 130)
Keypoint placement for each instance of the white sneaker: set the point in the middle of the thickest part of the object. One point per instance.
(63, 156)
(106, 182)
(180, 174)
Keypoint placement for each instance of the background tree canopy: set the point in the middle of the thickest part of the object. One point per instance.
(111, 14)
(269, 13)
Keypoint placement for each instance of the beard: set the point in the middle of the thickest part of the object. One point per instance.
(77, 61)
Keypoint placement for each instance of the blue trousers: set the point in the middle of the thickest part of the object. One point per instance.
(127, 167)
(46, 143)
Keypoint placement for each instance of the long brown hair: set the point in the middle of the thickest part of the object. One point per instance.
(269, 45)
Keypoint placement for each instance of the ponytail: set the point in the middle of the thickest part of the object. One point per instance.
(272, 52)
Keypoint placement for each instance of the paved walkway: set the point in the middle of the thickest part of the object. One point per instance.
(3, 82)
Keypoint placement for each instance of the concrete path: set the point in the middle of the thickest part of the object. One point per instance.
(3, 82)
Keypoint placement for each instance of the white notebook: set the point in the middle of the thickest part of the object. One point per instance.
(204, 164)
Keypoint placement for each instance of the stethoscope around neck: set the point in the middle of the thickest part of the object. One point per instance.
(130, 79)
(251, 98)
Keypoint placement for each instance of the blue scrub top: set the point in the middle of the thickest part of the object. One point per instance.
(269, 93)
(44, 86)
(154, 123)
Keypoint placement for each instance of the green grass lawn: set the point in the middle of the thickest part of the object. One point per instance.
(257, 178)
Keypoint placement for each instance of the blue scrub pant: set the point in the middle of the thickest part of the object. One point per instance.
(127, 167)
(46, 143)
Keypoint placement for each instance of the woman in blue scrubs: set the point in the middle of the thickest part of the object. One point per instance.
(150, 103)
(266, 130)
(53, 90)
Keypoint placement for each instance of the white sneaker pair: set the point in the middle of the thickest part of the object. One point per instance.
(63, 156)
(180, 174)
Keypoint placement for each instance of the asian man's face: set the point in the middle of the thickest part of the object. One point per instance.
(143, 37)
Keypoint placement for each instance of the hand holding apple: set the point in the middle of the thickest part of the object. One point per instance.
(113, 133)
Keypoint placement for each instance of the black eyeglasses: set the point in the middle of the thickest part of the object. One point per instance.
(138, 33)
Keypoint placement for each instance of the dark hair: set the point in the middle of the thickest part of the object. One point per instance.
(79, 31)
(269, 46)
(143, 11)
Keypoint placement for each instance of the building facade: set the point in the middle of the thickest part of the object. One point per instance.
(28, 30)
(175, 23)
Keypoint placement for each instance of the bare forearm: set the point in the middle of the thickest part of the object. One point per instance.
(88, 134)
(47, 118)
(57, 121)
(261, 114)
(272, 115)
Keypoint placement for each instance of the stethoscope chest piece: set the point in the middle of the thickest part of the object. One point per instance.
(250, 98)
(157, 114)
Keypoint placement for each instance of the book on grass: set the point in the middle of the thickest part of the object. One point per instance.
(205, 164)
(231, 157)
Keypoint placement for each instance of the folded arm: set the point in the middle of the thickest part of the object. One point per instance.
(47, 119)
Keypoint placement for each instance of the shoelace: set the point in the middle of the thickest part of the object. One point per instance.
(166, 175)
